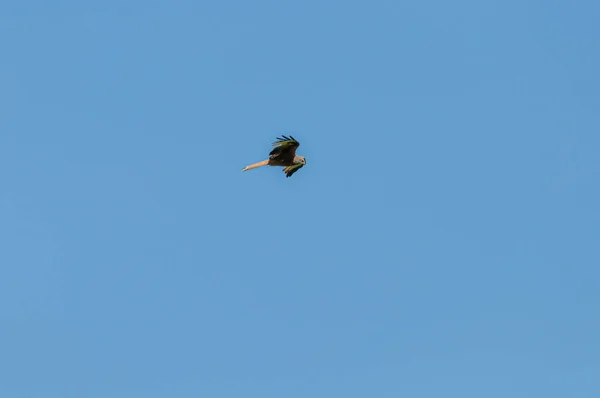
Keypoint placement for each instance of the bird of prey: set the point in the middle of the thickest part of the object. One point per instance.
(284, 154)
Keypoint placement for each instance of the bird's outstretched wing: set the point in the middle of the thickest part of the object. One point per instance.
(285, 148)
(289, 170)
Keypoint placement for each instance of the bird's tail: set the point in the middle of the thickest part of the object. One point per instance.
(255, 165)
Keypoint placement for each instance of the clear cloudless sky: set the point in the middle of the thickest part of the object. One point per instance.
(443, 239)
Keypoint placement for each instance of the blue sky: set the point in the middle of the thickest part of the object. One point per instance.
(443, 239)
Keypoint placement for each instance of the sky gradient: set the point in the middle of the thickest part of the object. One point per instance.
(443, 239)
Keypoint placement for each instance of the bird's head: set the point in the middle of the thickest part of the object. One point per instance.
(301, 159)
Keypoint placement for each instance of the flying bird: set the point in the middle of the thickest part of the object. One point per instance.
(284, 154)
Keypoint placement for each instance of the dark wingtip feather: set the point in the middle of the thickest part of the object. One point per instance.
(286, 138)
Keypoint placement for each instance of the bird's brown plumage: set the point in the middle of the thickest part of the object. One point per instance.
(284, 154)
